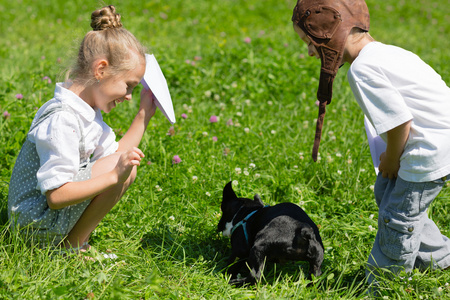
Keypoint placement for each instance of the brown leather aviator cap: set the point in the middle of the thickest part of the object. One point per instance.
(327, 23)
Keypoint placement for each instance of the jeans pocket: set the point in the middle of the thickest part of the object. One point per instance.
(398, 238)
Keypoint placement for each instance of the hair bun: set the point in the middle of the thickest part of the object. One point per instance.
(105, 18)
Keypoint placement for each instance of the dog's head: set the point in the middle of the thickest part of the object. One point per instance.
(231, 204)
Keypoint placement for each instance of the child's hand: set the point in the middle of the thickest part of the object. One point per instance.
(388, 167)
(127, 161)
(148, 102)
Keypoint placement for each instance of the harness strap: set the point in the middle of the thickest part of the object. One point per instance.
(243, 223)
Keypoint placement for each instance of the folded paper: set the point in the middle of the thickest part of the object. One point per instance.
(155, 81)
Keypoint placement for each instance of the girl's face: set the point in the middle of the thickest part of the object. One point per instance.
(112, 90)
(312, 51)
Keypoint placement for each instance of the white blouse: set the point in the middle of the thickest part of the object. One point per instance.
(57, 139)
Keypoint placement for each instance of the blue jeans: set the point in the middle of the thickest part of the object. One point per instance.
(406, 237)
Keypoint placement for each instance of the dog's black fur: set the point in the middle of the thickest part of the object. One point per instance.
(276, 233)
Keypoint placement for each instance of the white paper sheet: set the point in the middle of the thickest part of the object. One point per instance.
(376, 144)
(155, 81)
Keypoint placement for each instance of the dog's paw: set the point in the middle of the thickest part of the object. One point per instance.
(238, 282)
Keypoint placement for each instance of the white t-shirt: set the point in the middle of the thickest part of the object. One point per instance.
(57, 139)
(393, 86)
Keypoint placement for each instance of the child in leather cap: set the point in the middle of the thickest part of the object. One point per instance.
(408, 104)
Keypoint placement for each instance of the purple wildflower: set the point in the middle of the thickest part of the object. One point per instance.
(214, 138)
(176, 160)
(184, 116)
(6, 114)
(19, 96)
(213, 119)
(48, 79)
(247, 40)
(171, 131)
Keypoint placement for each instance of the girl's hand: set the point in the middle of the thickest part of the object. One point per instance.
(388, 167)
(126, 162)
(148, 102)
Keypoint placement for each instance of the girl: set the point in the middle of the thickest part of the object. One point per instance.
(71, 171)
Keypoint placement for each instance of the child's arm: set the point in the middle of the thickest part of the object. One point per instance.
(396, 141)
(147, 109)
(77, 192)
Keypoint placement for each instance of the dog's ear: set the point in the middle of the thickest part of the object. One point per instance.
(228, 193)
(257, 199)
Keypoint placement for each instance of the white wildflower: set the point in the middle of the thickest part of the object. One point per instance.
(110, 256)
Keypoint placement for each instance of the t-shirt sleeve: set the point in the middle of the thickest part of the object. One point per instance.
(57, 144)
(378, 98)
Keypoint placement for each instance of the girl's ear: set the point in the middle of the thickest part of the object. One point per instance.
(100, 67)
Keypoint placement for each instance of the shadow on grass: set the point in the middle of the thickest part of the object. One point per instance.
(3, 205)
(210, 246)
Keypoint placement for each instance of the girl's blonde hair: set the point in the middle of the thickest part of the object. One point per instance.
(108, 40)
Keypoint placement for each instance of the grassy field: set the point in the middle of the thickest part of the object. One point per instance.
(241, 62)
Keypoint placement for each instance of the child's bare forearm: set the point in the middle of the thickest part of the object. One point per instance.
(396, 141)
(137, 128)
(76, 192)
(133, 136)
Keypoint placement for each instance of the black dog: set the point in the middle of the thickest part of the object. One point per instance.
(277, 233)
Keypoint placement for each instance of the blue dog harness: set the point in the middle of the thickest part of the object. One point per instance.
(243, 223)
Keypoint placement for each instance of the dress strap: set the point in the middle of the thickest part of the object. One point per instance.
(84, 160)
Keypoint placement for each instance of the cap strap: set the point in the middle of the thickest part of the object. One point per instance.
(319, 124)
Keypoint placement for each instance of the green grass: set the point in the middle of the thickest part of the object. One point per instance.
(163, 230)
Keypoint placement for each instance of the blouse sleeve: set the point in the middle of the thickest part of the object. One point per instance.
(57, 144)
(107, 143)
